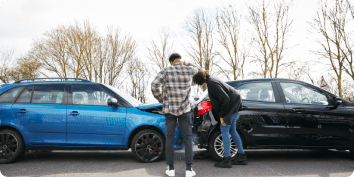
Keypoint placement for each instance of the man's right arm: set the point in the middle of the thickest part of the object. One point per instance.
(193, 68)
(156, 84)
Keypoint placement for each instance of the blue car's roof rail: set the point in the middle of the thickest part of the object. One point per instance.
(61, 78)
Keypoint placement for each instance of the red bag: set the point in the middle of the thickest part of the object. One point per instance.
(204, 107)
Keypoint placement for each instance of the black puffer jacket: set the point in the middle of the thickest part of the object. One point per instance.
(225, 99)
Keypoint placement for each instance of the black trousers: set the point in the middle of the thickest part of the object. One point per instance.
(185, 124)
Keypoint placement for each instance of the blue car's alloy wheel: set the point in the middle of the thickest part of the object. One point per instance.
(147, 146)
(11, 146)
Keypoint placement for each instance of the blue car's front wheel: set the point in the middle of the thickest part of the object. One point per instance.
(148, 146)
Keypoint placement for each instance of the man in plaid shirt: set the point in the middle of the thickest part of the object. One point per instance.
(176, 83)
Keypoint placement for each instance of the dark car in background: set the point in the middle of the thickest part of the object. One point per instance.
(281, 114)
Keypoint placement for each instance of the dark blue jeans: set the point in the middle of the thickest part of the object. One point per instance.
(185, 124)
(226, 131)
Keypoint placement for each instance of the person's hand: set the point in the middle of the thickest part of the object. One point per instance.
(207, 98)
(222, 121)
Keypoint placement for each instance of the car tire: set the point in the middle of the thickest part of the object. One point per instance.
(148, 146)
(216, 148)
(12, 146)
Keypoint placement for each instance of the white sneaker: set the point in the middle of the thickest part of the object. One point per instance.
(190, 173)
(170, 172)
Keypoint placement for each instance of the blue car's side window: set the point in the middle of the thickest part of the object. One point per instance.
(10, 95)
(89, 95)
(48, 94)
(25, 96)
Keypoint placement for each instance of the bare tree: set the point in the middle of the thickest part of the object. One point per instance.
(199, 29)
(13, 68)
(85, 46)
(348, 54)
(272, 30)
(79, 50)
(119, 50)
(228, 28)
(347, 9)
(351, 7)
(139, 76)
(347, 86)
(159, 50)
(331, 25)
(299, 72)
(51, 51)
(25, 68)
(6, 61)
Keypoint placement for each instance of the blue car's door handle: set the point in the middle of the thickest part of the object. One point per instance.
(22, 111)
(74, 113)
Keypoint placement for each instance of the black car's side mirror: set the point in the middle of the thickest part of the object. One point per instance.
(112, 102)
(337, 101)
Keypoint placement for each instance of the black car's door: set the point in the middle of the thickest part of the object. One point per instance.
(337, 126)
(262, 118)
(310, 121)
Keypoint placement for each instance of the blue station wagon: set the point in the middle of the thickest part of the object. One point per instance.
(77, 114)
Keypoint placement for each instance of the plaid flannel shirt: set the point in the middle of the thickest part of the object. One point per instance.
(176, 83)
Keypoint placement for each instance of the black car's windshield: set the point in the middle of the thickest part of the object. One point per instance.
(134, 102)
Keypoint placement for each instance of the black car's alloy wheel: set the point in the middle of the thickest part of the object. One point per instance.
(147, 146)
(11, 146)
(216, 148)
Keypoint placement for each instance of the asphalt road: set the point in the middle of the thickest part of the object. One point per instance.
(303, 163)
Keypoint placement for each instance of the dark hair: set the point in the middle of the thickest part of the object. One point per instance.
(200, 77)
(174, 56)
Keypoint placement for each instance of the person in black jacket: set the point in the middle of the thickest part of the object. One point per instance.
(227, 102)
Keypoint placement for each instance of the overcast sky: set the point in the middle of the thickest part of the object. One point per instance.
(22, 21)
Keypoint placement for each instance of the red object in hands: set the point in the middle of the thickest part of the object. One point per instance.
(204, 107)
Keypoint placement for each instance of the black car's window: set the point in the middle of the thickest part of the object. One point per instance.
(257, 91)
(89, 95)
(25, 96)
(48, 94)
(297, 93)
(9, 95)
